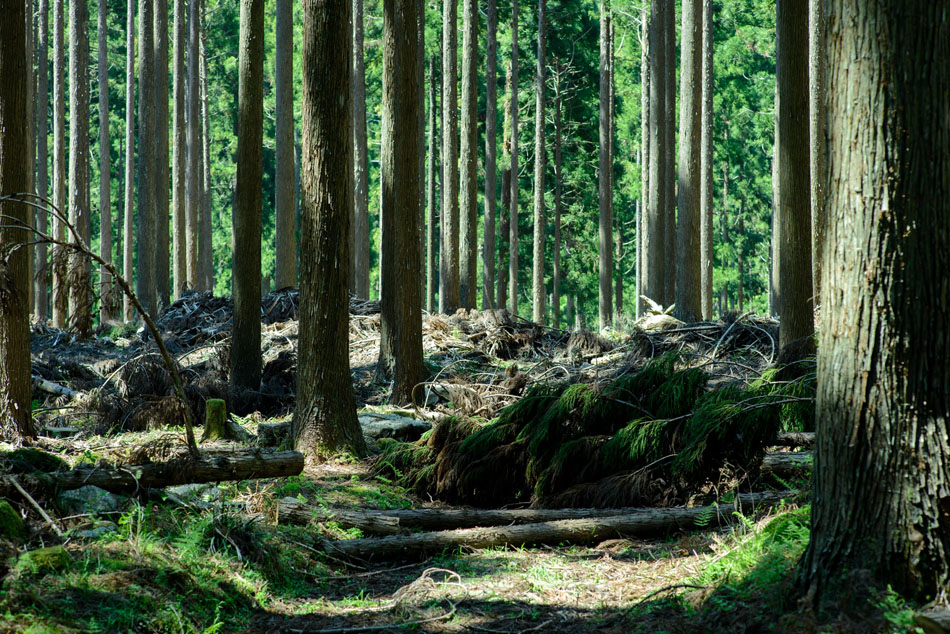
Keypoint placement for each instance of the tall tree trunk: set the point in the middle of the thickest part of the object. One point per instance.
(605, 245)
(689, 305)
(80, 274)
(400, 355)
(816, 118)
(794, 293)
(325, 420)
(501, 238)
(285, 231)
(192, 184)
(246, 254)
(41, 253)
(105, 193)
(538, 293)
(669, 182)
(60, 286)
(653, 241)
(145, 283)
(179, 151)
(513, 201)
(420, 67)
(740, 247)
(360, 232)
(491, 142)
(15, 167)
(706, 164)
(468, 176)
(882, 460)
(431, 188)
(618, 263)
(449, 247)
(556, 280)
(128, 243)
(645, 154)
(161, 152)
(205, 246)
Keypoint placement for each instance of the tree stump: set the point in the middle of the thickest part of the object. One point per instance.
(216, 420)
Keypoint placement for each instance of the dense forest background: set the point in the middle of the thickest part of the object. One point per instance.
(744, 63)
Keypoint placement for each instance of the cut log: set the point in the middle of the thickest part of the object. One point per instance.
(53, 388)
(577, 531)
(127, 479)
(934, 620)
(795, 439)
(391, 521)
(785, 464)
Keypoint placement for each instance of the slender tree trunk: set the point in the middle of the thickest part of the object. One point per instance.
(162, 275)
(882, 460)
(513, 202)
(605, 245)
(538, 293)
(491, 141)
(41, 253)
(645, 153)
(793, 211)
(816, 111)
(618, 262)
(449, 298)
(80, 275)
(669, 183)
(15, 168)
(60, 286)
(654, 242)
(145, 283)
(501, 237)
(689, 304)
(420, 67)
(706, 164)
(360, 276)
(740, 247)
(105, 193)
(128, 311)
(430, 189)
(468, 177)
(179, 151)
(246, 254)
(556, 280)
(285, 232)
(192, 184)
(400, 356)
(205, 246)
(325, 420)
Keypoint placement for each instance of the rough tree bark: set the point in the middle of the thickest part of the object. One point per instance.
(468, 176)
(15, 166)
(491, 142)
(285, 231)
(246, 243)
(605, 244)
(145, 286)
(80, 273)
(205, 246)
(449, 247)
(179, 151)
(882, 462)
(816, 127)
(793, 202)
(400, 355)
(556, 280)
(41, 253)
(105, 193)
(161, 152)
(513, 200)
(60, 286)
(538, 292)
(645, 120)
(325, 421)
(653, 241)
(360, 276)
(430, 188)
(688, 253)
(706, 164)
(128, 240)
(669, 183)
(192, 186)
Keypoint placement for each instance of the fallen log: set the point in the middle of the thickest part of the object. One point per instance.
(130, 478)
(784, 464)
(795, 439)
(636, 522)
(292, 511)
(53, 388)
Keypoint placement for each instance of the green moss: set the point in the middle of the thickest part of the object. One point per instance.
(29, 460)
(44, 560)
(11, 524)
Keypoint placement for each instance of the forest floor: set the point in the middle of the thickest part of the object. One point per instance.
(219, 557)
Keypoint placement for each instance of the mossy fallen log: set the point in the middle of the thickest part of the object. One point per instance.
(795, 439)
(130, 478)
(785, 464)
(576, 531)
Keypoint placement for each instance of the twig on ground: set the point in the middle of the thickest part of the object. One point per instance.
(33, 503)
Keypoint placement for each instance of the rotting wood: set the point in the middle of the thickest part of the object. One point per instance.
(390, 521)
(640, 522)
(795, 439)
(787, 463)
(126, 479)
(53, 388)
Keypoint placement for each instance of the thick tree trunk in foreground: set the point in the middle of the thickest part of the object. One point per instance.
(431, 210)
(105, 193)
(449, 247)
(162, 276)
(688, 254)
(325, 421)
(285, 232)
(15, 166)
(635, 522)
(246, 244)
(706, 164)
(513, 152)
(468, 177)
(360, 275)
(41, 253)
(145, 286)
(128, 213)
(606, 221)
(884, 368)
(793, 208)
(400, 354)
(80, 270)
(179, 152)
(538, 291)
(491, 142)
